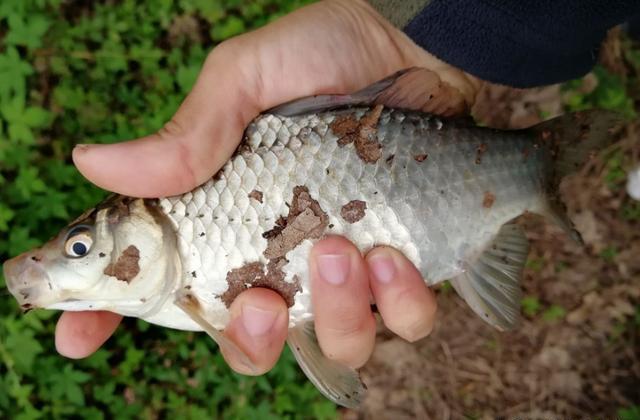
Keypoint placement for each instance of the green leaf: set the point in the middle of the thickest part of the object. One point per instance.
(609, 254)
(187, 76)
(231, 26)
(6, 214)
(66, 383)
(530, 305)
(36, 117)
(25, 31)
(23, 347)
(20, 240)
(13, 74)
(629, 413)
(29, 182)
(554, 313)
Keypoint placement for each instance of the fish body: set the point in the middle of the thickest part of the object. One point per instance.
(443, 192)
(437, 191)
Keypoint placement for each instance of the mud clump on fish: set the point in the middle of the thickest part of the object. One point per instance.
(126, 266)
(353, 211)
(362, 133)
(306, 220)
(488, 200)
(257, 275)
(256, 195)
(482, 148)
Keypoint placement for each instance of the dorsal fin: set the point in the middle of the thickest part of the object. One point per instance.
(491, 284)
(413, 88)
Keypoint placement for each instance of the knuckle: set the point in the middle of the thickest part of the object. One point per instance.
(171, 129)
(174, 132)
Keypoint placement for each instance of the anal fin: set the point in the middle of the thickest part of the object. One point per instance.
(491, 284)
(340, 383)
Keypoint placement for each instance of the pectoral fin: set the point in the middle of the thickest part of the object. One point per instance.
(491, 284)
(190, 305)
(340, 383)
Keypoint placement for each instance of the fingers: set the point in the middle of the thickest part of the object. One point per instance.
(259, 325)
(80, 334)
(407, 305)
(345, 326)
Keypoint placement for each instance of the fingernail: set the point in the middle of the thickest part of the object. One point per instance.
(257, 321)
(382, 267)
(333, 268)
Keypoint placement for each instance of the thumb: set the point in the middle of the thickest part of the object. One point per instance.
(197, 141)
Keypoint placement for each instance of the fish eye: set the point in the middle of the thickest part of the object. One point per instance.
(78, 242)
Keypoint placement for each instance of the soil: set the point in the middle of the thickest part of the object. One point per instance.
(306, 220)
(353, 211)
(256, 195)
(362, 133)
(257, 275)
(488, 200)
(577, 356)
(126, 266)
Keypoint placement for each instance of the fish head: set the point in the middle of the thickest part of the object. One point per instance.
(120, 256)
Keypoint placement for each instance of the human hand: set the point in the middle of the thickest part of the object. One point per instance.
(335, 46)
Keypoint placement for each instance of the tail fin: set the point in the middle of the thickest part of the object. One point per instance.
(575, 138)
(572, 140)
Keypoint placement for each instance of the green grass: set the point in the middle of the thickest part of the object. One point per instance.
(629, 413)
(609, 254)
(530, 306)
(74, 72)
(554, 313)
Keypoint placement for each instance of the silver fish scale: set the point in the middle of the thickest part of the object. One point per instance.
(435, 211)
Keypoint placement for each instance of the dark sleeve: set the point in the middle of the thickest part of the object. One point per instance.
(520, 43)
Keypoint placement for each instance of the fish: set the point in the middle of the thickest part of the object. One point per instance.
(444, 192)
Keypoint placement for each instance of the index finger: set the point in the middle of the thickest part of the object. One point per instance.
(80, 334)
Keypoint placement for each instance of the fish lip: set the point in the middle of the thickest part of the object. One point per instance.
(26, 280)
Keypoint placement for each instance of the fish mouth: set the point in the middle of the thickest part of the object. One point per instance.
(26, 280)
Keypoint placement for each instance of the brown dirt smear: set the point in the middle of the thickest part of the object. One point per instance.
(257, 275)
(118, 208)
(362, 133)
(256, 195)
(353, 211)
(488, 200)
(126, 266)
(306, 220)
(480, 150)
(421, 158)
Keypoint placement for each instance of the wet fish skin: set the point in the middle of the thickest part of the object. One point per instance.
(426, 196)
